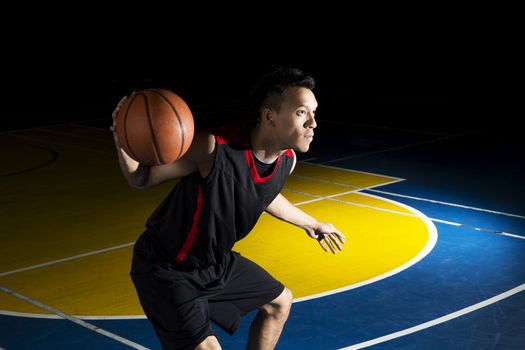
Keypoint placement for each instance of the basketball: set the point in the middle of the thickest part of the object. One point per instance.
(154, 126)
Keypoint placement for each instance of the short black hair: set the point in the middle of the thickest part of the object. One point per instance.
(271, 87)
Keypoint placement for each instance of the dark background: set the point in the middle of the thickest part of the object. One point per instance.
(406, 75)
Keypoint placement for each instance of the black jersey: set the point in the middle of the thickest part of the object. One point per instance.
(200, 220)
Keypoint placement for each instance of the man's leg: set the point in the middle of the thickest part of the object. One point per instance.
(269, 322)
(177, 312)
(210, 343)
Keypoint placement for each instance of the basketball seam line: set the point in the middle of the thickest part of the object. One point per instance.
(156, 150)
(181, 124)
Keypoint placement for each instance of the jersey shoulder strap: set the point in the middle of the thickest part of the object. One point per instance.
(229, 134)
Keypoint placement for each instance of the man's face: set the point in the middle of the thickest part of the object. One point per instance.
(295, 121)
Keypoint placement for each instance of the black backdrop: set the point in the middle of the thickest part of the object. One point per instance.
(420, 79)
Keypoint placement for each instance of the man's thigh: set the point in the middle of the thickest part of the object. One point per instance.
(249, 288)
(179, 315)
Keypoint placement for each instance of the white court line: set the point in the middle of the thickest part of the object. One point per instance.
(452, 223)
(426, 250)
(437, 321)
(74, 319)
(318, 198)
(395, 179)
(131, 243)
(409, 197)
(430, 244)
(55, 317)
(123, 245)
(66, 259)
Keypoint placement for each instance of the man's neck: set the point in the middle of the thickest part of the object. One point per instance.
(264, 146)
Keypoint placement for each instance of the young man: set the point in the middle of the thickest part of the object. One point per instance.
(183, 267)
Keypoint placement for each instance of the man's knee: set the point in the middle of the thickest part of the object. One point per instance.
(210, 343)
(281, 305)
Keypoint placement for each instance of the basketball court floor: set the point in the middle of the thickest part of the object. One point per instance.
(434, 259)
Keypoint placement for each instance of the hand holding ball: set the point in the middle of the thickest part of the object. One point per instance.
(154, 126)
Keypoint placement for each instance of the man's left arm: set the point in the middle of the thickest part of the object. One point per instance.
(325, 233)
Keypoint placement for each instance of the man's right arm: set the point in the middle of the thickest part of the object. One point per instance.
(143, 176)
(199, 157)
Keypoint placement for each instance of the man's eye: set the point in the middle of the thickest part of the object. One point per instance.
(301, 112)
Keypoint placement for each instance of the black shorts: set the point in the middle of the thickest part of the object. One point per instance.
(180, 304)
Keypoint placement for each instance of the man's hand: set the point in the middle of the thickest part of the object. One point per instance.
(327, 236)
(114, 115)
(325, 233)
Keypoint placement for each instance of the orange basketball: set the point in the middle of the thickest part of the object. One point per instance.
(154, 126)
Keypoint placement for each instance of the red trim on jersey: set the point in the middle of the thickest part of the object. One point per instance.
(289, 153)
(253, 170)
(220, 140)
(227, 135)
(193, 231)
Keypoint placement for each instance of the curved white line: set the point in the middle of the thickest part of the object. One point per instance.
(431, 242)
(426, 250)
(458, 224)
(439, 320)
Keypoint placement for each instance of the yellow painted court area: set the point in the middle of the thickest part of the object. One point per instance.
(80, 203)
(377, 242)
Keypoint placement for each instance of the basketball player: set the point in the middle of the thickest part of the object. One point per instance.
(183, 267)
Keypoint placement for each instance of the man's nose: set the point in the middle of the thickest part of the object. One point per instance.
(311, 122)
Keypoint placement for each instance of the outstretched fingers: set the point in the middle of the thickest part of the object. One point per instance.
(339, 236)
(322, 244)
(333, 241)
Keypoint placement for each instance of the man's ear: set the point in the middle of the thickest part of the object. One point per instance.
(268, 116)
